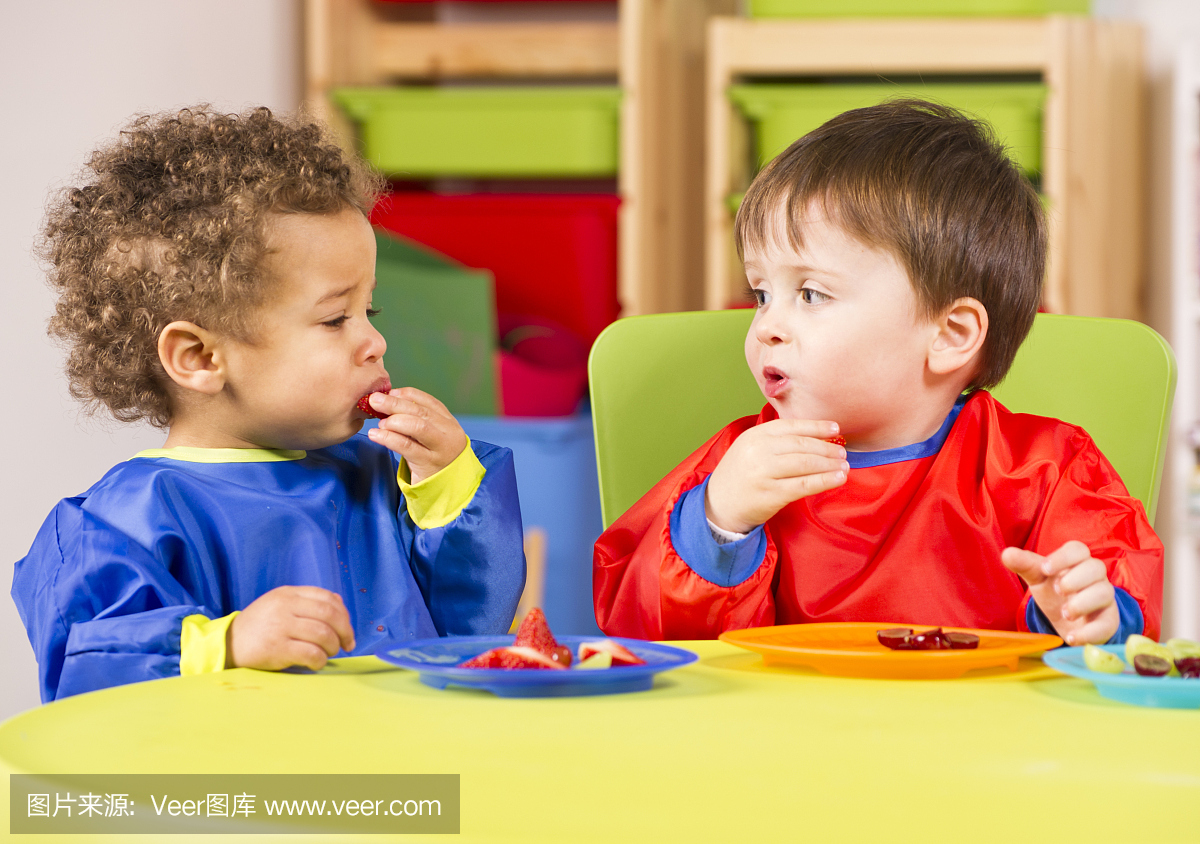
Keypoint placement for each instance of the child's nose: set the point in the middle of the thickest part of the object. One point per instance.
(770, 327)
(375, 345)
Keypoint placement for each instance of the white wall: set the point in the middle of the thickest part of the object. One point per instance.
(73, 72)
(1169, 24)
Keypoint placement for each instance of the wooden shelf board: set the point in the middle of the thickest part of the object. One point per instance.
(934, 45)
(431, 50)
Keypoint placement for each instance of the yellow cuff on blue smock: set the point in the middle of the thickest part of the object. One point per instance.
(202, 644)
(438, 499)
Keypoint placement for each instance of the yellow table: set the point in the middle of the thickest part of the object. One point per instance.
(722, 750)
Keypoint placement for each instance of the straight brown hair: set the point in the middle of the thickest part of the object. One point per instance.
(933, 187)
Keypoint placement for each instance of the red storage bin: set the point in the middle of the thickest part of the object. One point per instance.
(554, 256)
(543, 368)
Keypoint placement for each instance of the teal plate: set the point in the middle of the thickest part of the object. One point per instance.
(1129, 687)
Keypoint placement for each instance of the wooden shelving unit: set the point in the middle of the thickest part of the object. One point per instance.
(655, 50)
(1093, 127)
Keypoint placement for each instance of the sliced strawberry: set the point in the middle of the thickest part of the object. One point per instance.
(364, 404)
(621, 655)
(600, 659)
(535, 633)
(837, 439)
(512, 657)
(487, 659)
(519, 656)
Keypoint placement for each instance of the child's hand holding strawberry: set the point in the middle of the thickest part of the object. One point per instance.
(419, 428)
(768, 467)
(1072, 589)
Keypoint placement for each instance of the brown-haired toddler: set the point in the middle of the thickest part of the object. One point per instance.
(896, 257)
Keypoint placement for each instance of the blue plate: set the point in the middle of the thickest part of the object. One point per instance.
(1130, 687)
(437, 662)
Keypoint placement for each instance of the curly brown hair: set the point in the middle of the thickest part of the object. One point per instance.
(171, 225)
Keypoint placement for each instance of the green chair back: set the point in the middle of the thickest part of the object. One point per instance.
(662, 385)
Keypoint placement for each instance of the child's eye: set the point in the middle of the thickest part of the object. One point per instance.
(374, 312)
(760, 297)
(812, 297)
(336, 322)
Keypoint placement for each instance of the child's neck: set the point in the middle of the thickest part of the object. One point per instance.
(184, 438)
(920, 421)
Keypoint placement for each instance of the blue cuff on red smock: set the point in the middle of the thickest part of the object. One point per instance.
(724, 565)
(1132, 620)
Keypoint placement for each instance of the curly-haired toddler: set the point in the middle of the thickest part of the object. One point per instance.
(214, 277)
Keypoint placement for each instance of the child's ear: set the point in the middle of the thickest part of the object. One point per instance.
(190, 357)
(961, 330)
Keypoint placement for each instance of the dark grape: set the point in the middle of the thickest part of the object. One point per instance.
(1151, 666)
(930, 640)
(962, 641)
(896, 638)
(1189, 667)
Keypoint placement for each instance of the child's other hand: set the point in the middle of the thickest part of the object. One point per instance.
(768, 467)
(1071, 587)
(419, 429)
(290, 625)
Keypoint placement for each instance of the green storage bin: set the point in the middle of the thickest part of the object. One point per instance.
(487, 132)
(912, 8)
(782, 113)
(439, 320)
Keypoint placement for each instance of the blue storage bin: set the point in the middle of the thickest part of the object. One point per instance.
(556, 479)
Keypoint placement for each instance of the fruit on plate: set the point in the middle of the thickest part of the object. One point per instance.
(514, 656)
(1182, 648)
(930, 640)
(962, 641)
(535, 647)
(895, 638)
(364, 404)
(1098, 659)
(599, 659)
(934, 639)
(1139, 644)
(1149, 665)
(1188, 667)
(621, 655)
(535, 633)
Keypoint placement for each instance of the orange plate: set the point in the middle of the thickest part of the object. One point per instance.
(850, 649)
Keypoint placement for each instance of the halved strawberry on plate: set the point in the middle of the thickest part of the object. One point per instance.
(535, 633)
(515, 656)
(621, 655)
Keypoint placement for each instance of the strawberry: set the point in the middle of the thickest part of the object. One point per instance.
(487, 659)
(512, 657)
(600, 659)
(535, 633)
(837, 439)
(621, 655)
(364, 404)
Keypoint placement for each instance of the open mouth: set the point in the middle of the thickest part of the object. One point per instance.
(774, 381)
(363, 405)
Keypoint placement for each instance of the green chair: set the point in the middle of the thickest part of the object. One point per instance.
(662, 385)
